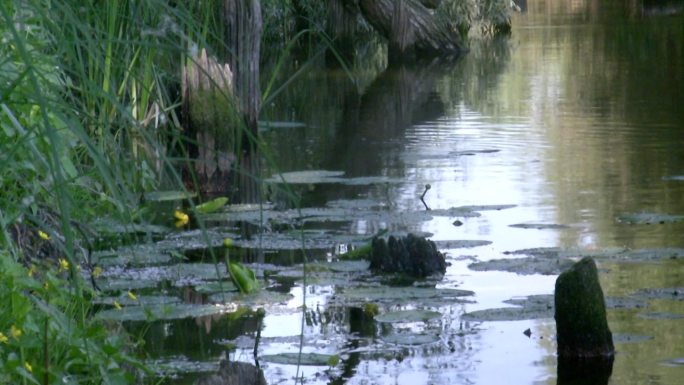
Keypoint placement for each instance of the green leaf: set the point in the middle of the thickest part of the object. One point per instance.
(211, 206)
(243, 277)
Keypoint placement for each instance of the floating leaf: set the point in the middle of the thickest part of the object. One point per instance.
(403, 294)
(243, 277)
(306, 177)
(257, 298)
(215, 287)
(461, 244)
(211, 206)
(307, 359)
(539, 226)
(139, 300)
(166, 196)
(408, 316)
(649, 218)
(161, 312)
(669, 293)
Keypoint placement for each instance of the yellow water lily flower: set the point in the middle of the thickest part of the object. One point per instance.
(97, 271)
(15, 332)
(28, 367)
(132, 296)
(31, 270)
(227, 242)
(63, 264)
(117, 305)
(182, 218)
(3, 338)
(43, 235)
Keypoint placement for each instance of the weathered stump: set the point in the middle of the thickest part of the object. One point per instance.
(581, 325)
(234, 373)
(410, 255)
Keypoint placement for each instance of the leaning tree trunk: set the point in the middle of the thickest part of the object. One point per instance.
(411, 28)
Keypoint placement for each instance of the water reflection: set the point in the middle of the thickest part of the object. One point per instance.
(575, 119)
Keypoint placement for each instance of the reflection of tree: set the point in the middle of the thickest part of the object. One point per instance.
(400, 96)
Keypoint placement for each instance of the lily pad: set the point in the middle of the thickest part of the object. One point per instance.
(305, 177)
(110, 226)
(461, 244)
(167, 196)
(539, 226)
(116, 284)
(215, 287)
(669, 293)
(623, 338)
(176, 365)
(649, 218)
(403, 294)
(147, 300)
(259, 298)
(525, 266)
(408, 316)
(211, 206)
(347, 266)
(306, 359)
(660, 315)
(410, 339)
(162, 312)
(531, 307)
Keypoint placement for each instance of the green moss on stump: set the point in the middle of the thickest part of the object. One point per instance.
(581, 324)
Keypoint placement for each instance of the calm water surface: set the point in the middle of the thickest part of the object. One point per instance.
(577, 118)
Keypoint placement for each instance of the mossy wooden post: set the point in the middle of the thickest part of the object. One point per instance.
(585, 343)
(581, 323)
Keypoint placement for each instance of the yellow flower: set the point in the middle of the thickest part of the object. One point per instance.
(32, 270)
(132, 296)
(97, 271)
(182, 218)
(45, 285)
(3, 338)
(227, 242)
(15, 332)
(28, 367)
(63, 264)
(117, 305)
(43, 235)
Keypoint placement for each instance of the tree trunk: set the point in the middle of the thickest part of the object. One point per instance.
(411, 29)
(243, 38)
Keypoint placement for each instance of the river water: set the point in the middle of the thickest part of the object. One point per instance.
(577, 119)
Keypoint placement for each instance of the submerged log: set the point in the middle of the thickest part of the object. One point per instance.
(234, 373)
(411, 28)
(580, 313)
(410, 255)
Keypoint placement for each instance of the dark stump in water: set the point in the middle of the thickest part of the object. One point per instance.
(581, 324)
(234, 373)
(410, 255)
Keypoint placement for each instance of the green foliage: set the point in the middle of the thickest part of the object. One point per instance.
(243, 277)
(47, 337)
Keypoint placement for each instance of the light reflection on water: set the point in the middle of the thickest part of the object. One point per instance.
(581, 130)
